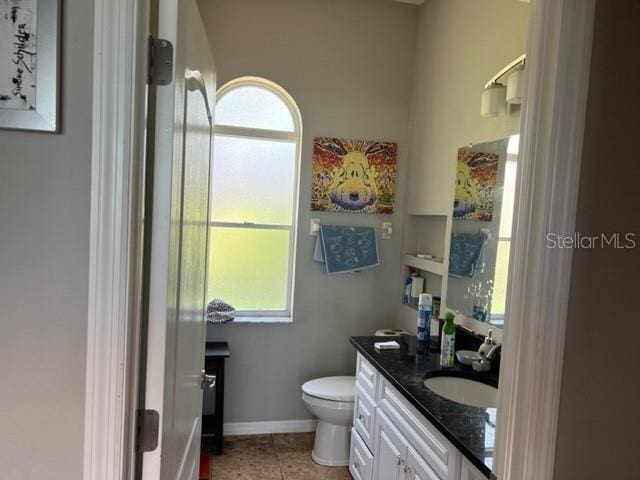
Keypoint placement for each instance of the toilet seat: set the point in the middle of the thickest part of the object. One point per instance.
(326, 404)
(336, 389)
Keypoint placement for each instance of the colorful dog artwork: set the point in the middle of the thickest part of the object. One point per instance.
(475, 182)
(353, 175)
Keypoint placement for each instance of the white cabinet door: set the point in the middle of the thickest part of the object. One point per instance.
(390, 450)
(469, 472)
(416, 468)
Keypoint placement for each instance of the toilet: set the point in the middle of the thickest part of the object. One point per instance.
(330, 399)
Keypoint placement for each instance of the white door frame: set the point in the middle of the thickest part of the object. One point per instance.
(558, 60)
(119, 98)
(552, 126)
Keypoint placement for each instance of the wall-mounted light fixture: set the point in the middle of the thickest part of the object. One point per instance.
(493, 102)
(515, 81)
(496, 95)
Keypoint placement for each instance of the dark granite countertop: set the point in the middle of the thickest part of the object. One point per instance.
(470, 429)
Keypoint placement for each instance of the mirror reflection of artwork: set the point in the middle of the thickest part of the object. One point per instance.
(353, 175)
(479, 252)
(475, 181)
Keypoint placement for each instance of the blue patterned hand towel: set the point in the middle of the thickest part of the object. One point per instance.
(347, 249)
(465, 254)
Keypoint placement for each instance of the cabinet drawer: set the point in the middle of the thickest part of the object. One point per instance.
(360, 458)
(363, 415)
(437, 451)
(367, 377)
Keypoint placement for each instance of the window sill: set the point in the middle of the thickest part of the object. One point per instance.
(256, 319)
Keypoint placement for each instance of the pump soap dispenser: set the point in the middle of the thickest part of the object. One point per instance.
(488, 344)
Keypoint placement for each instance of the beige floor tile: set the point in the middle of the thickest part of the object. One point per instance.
(293, 442)
(272, 457)
(338, 473)
(300, 466)
(244, 466)
(249, 444)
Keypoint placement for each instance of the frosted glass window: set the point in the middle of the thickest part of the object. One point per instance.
(252, 106)
(500, 281)
(253, 180)
(499, 298)
(251, 268)
(508, 199)
(256, 159)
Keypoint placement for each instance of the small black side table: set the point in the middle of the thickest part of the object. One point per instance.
(213, 401)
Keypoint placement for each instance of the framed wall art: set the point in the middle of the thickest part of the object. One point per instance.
(357, 176)
(29, 64)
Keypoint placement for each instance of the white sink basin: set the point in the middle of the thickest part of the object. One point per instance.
(463, 390)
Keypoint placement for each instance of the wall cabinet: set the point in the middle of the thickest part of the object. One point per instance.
(391, 440)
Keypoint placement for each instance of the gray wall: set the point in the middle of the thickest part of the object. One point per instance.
(461, 44)
(600, 403)
(348, 65)
(44, 263)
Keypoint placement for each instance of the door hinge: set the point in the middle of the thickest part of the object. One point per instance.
(147, 430)
(160, 61)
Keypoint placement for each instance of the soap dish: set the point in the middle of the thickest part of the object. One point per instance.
(467, 357)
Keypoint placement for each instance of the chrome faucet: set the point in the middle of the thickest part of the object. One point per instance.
(484, 364)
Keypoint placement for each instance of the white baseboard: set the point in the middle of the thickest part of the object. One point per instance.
(256, 428)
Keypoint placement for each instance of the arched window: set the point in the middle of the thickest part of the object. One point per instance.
(256, 162)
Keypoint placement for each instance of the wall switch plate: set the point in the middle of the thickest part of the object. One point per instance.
(314, 226)
(387, 230)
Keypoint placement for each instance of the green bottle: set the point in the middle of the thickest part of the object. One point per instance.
(448, 343)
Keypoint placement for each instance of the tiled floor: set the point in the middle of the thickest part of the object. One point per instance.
(272, 457)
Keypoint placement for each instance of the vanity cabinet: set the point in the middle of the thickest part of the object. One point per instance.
(391, 440)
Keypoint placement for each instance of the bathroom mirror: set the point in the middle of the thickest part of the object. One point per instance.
(481, 229)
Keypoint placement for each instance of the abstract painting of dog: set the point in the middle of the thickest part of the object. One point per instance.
(353, 175)
(475, 182)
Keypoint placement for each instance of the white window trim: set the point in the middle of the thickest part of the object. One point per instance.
(269, 316)
(256, 133)
(262, 319)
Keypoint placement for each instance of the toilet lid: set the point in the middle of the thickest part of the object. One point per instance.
(339, 389)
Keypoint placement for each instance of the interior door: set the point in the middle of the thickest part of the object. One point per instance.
(180, 148)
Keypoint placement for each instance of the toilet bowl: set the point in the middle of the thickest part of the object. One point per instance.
(330, 399)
